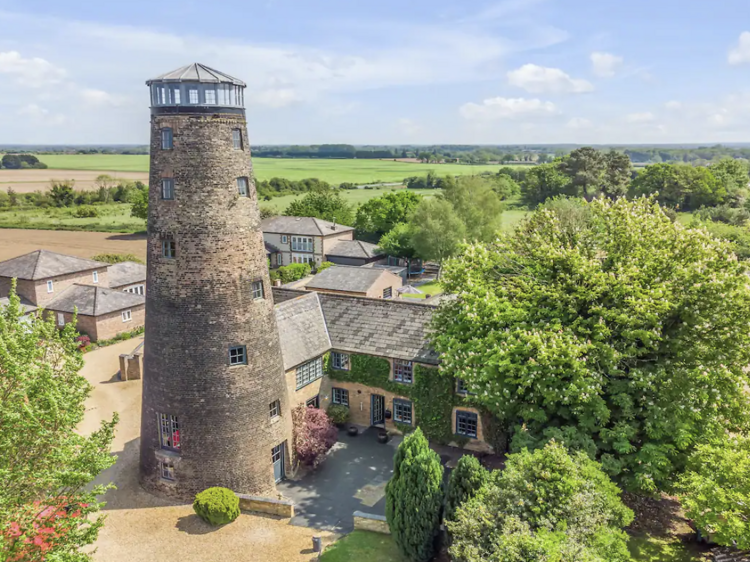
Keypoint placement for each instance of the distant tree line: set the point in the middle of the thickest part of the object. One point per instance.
(62, 193)
(21, 162)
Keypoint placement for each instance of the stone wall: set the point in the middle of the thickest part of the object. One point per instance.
(477, 444)
(370, 522)
(198, 305)
(301, 396)
(255, 504)
(36, 291)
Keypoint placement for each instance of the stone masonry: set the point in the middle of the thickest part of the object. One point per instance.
(198, 305)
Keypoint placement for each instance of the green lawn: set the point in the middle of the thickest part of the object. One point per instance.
(432, 288)
(112, 218)
(646, 548)
(363, 546)
(332, 171)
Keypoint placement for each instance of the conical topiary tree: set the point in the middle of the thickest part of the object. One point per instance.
(466, 480)
(414, 497)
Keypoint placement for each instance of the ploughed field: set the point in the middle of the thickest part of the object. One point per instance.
(331, 170)
(14, 242)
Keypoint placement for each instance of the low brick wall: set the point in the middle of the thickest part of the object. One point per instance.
(280, 508)
(370, 522)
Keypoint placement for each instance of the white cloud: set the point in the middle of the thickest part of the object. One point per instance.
(32, 110)
(507, 108)
(542, 80)
(409, 127)
(36, 114)
(643, 117)
(274, 97)
(100, 98)
(740, 53)
(605, 64)
(34, 72)
(578, 123)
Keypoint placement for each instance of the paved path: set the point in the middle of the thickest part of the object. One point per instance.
(352, 478)
(143, 528)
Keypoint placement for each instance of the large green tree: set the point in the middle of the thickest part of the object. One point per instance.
(466, 480)
(732, 173)
(139, 204)
(545, 505)
(628, 338)
(585, 167)
(325, 204)
(543, 182)
(48, 510)
(378, 216)
(398, 243)
(414, 498)
(680, 186)
(437, 231)
(477, 205)
(617, 172)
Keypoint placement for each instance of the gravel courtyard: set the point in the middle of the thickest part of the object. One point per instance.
(142, 528)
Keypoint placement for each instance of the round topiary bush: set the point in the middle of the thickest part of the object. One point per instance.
(217, 506)
(338, 414)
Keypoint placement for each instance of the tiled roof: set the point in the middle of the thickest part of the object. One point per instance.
(26, 306)
(387, 328)
(43, 264)
(302, 329)
(349, 278)
(94, 301)
(197, 72)
(126, 273)
(354, 249)
(306, 226)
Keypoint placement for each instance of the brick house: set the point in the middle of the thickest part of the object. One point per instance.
(103, 294)
(325, 336)
(356, 281)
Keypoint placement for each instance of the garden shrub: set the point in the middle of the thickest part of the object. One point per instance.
(314, 434)
(85, 212)
(324, 265)
(414, 497)
(217, 506)
(291, 272)
(116, 258)
(338, 413)
(466, 480)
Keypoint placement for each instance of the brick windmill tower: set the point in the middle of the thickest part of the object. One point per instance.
(215, 410)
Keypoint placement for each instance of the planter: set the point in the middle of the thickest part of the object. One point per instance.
(353, 430)
(383, 437)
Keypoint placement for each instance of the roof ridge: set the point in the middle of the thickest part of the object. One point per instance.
(96, 296)
(36, 264)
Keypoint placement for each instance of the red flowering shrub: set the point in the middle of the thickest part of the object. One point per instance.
(83, 342)
(314, 434)
(39, 528)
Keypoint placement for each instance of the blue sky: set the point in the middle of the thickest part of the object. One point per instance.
(507, 72)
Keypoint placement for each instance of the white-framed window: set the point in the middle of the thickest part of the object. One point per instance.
(96, 276)
(274, 409)
(340, 361)
(403, 371)
(127, 315)
(313, 402)
(169, 432)
(309, 372)
(50, 286)
(237, 139)
(242, 188)
(168, 248)
(238, 355)
(302, 244)
(467, 424)
(387, 292)
(193, 96)
(402, 410)
(167, 188)
(176, 95)
(210, 97)
(284, 239)
(340, 396)
(167, 470)
(166, 138)
(303, 258)
(60, 319)
(136, 290)
(257, 290)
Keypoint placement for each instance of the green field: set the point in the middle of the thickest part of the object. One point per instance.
(112, 218)
(332, 171)
(354, 196)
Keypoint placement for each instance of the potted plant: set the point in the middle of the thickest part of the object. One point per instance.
(353, 430)
(383, 436)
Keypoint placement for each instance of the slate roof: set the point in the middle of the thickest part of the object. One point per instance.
(271, 249)
(197, 72)
(349, 278)
(26, 306)
(305, 226)
(354, 249)
(43, 264)
(126, 273)
(302, 328)
(382, 327)
(94, 301)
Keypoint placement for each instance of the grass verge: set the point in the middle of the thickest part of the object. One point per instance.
(364, 546)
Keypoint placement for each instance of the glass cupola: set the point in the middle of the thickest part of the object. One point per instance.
(198, 87)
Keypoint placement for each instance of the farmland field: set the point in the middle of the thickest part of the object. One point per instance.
(332, 171)
(83, 244)
(28, 181)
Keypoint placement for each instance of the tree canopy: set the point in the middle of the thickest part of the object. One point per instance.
(476, 204)
(47, 506)
(378, 216)
(436, 230)
(627, 337)
(325, 204)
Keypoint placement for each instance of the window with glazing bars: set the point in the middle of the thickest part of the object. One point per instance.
(274, 408)
(167, 188)
(257, 290)
(302, 244)
(170, 432)
(242, 186)
(402, 371)
(168, 248)
(402, 410)
(166, 138)
(210, 97)
(167, 470)
(237, 139)
(193, 96)
(238, 355)
(340, 361)
(466, 424)
(340, 396)
(309, 372)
